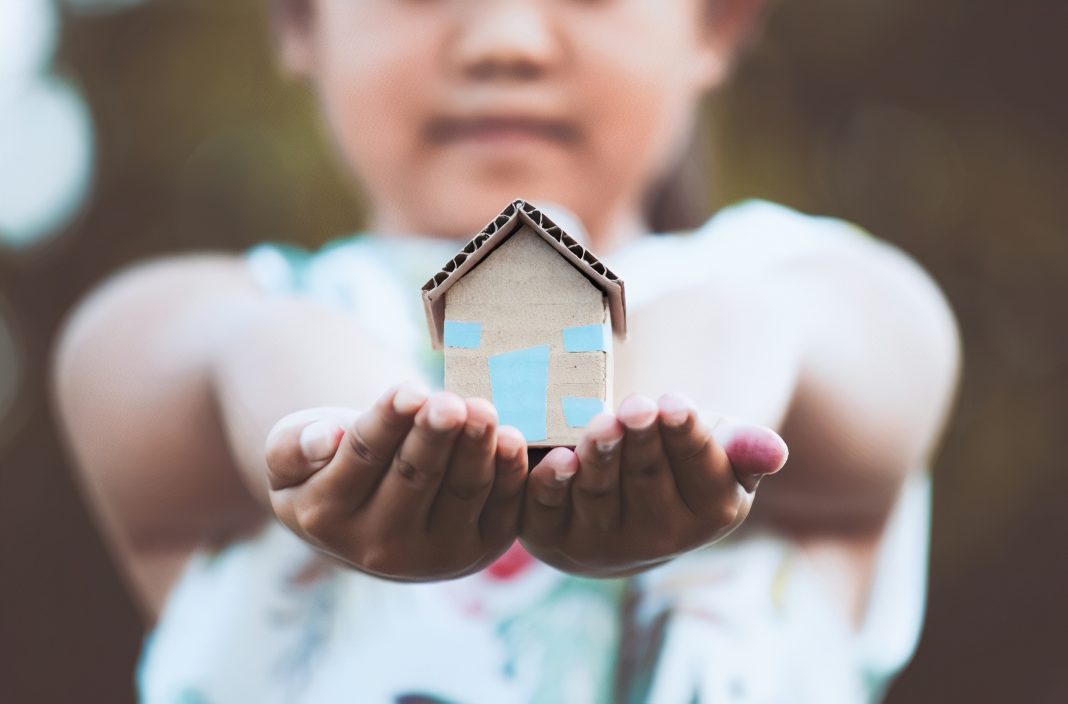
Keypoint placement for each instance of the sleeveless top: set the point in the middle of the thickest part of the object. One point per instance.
(266, 620)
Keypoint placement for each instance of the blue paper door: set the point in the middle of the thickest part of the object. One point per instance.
(520, 384)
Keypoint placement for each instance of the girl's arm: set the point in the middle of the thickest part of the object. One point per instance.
(167, 380)
(852, 355)
(879, 364)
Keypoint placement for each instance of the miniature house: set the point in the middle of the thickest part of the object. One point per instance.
(526, 317)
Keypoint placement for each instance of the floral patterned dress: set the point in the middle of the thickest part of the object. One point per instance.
(267, 620)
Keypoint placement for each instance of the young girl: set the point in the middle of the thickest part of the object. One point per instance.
(298, 533)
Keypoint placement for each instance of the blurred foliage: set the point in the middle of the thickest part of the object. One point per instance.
(936, 124)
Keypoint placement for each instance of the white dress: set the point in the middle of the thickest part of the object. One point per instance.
(265, 621)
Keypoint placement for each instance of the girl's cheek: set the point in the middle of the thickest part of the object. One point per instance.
(371, 54)
(637, 116)
(372, 108)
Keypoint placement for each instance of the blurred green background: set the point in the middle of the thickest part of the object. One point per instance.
(937, 124)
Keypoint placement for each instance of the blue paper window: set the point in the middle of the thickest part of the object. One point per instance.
(580, 410)
(464, 335)
(519, 381)
(586, 338)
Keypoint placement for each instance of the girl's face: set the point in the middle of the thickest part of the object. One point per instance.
(446, 110)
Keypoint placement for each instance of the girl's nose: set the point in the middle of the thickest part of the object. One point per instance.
(507, 39)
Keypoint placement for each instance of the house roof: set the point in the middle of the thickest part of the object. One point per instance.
(518, 214)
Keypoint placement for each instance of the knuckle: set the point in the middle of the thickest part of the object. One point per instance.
(724, 513)
(378, 559)
(417, 477)
(314, 519)
(362, 449)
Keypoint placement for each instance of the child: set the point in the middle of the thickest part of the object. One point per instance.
(174, 376)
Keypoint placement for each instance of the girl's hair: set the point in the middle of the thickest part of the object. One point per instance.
(678, 200)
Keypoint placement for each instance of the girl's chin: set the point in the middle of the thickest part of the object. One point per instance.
(472, 206)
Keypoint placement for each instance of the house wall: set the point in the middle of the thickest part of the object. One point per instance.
(524, 294)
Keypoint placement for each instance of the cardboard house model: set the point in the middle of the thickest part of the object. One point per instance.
(526, 317)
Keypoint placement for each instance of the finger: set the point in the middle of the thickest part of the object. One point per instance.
(595, 494)
(547, 503)
(365, 452)
(411, 483)
(754, 451)
(302, 443)
(469, 477)
(500, 517)
(645, 476)
(701, 468)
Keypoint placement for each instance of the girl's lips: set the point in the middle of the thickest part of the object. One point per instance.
(501, 129)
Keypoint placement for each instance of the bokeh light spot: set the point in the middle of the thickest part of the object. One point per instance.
(27, 41)
(46, 158)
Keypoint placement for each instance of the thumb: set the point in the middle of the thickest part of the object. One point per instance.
(304, 442)
(754, 451)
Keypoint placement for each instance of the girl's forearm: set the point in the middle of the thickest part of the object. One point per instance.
(286, 355)
(166, 382)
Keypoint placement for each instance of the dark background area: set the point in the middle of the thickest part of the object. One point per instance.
(939, 125)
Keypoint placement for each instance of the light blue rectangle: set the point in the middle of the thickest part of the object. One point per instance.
(585, 338)
(465, 335)
(520, 384)
(580, 410)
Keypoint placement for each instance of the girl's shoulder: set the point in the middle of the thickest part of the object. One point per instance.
(739, 242)
(755, 232)
(740, 238)
(350, 259)
(375, 279)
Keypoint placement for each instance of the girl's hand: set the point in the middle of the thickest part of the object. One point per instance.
(644, 487)
(417, 488)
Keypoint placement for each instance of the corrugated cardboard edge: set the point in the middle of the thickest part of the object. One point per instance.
(516, 215)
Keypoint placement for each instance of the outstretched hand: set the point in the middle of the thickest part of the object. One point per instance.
(644, 486)
(427, 486)
(420, 487)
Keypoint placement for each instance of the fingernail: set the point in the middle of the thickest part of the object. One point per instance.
(510, 442)
(511, 454)
(319, 440)
(564, 463)
(475, 431)
(638, 413)
(674, 411)
(438, 419)
(563, 474)
(608, 445)
(441, 417)
(409, 398)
